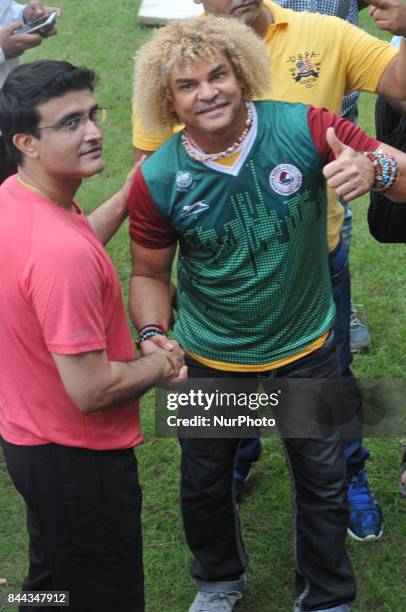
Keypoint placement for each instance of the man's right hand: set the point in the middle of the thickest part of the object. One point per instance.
(389, 15)
(14, 45)
(174, 369)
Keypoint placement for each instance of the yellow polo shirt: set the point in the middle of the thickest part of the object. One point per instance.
(315, 59)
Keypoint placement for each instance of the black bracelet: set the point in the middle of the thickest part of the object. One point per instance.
(148, 331)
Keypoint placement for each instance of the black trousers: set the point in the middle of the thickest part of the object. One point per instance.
(83, 520)
(324, 577)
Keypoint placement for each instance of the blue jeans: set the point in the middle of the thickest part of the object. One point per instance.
(355, 453)
(346, 230)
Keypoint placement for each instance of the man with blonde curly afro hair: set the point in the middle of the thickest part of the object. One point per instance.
(241, 190)
(189, 42)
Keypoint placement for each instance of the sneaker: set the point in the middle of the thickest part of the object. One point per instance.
(215, 602)
(360, 340)
(218, 596)
(365, 522)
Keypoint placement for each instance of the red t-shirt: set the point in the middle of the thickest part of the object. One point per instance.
(59, 293)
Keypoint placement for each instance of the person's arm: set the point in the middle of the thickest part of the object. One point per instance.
(371, 64)
(150, 296)
(107, 218)
(390, 16)
(153, 247)
(14, 45)
(95, 383)
(341, 146)
(150, 293)
(392, 83)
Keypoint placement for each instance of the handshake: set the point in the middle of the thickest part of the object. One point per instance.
(169, 352)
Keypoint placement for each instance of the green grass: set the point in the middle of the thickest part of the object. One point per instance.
(104, 35)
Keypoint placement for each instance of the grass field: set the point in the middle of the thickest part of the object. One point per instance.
(104, 35)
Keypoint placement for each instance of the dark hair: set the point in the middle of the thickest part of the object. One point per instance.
(32, 84)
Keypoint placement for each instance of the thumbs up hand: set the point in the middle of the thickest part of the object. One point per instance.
(351, 174)
(334, 143)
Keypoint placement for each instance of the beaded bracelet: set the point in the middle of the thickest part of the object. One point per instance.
(148, 331)
(386, 170)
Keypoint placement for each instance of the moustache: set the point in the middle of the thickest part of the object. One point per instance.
(219, 101)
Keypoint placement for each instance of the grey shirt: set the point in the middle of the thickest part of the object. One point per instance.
(9, 11)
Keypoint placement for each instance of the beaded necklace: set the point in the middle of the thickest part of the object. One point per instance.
(196, 153)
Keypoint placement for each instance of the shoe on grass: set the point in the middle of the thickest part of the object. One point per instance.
(365, 522)
(360, 340)
(218, 596)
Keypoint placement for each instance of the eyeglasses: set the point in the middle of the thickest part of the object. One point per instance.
(73, 124)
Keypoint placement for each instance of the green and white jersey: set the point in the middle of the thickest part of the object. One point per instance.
(253, 276)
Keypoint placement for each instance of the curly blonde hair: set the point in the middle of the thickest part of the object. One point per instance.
(192, 40)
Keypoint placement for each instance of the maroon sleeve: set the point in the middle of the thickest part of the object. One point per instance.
(350, 134)
(147, 226)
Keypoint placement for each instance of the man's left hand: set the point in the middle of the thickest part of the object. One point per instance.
(389, 15)
(351, 174)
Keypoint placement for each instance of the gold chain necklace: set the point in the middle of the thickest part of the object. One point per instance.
(39, 191)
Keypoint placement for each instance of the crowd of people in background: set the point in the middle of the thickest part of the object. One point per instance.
(232, 155)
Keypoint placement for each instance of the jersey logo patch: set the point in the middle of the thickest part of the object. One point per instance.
(184, 181)
(195, 209)
(285, 179)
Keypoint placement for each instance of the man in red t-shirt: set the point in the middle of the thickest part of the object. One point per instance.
(69, 416)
